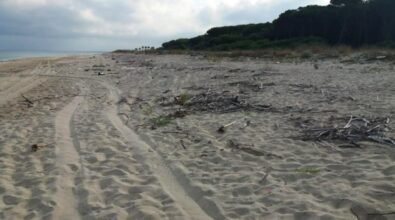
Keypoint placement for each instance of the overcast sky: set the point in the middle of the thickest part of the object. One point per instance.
(100, 25)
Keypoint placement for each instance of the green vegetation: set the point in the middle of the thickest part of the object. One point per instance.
(147, 109)
(344, 22)
(161, 120)
(183, 98)
(306, 55)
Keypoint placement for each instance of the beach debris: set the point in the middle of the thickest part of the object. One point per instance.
(223, 127)
(183, 144)
(247, 86)
(310, 170)
(175, 132)
(123, 100)
(160, 121)
(250, 149)
(267, 173)
(178, 114)
(367, 213)
(263, 181)
(233, 144)
(253, 152)
(381, 57)
(212, 102)
(37, 147)
(29, 102)
(164, 120)
(355, 130)
(246, 123)
(182, 99)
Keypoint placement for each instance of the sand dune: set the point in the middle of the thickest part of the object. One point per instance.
(129, 145)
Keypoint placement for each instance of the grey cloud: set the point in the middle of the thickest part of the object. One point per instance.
(48, 21)
(122, 23)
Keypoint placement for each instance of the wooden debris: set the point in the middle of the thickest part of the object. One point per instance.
(247, 123)
(178, 114)
(175, 132)
(381, 57)
(252, 151)
(30, 103)
(36, 147)
(355, 130)
(123, 100)
(182, 144)
(210, 102)
(223, 127)
(263, 180)
(249, 149)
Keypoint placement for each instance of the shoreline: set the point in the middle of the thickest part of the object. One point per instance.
(41, 54)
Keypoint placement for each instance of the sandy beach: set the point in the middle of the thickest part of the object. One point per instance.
(140, 136)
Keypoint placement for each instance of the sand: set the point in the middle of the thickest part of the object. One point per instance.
(101, 155)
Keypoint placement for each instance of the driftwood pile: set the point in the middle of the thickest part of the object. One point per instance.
(357, 129)
(212, 102)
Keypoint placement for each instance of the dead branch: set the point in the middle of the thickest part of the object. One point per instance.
(222, 128)
(355, 130)
(182, 144)
(175, 132)
(27, 100)
(268, 170)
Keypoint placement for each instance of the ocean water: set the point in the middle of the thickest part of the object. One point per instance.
(12, 55)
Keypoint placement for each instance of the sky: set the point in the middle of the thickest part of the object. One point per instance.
(105, 25)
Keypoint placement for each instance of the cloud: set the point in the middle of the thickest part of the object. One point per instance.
(104, 24)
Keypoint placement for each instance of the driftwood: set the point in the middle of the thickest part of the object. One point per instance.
(182, 144)
(263, 180)
(211, 102)
(36, 147)
(249, 149)
(355, 130)
(175, 132)
(30, 103)
(223, 127)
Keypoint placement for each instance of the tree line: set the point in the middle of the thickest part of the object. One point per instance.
(343, 22)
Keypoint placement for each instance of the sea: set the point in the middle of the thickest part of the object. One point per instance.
(13, 55)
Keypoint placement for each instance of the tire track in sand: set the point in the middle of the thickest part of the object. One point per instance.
(160, 169)
(27, 83)
(68, 163)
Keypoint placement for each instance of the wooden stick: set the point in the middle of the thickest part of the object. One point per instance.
(222, 128)
(268, 170)
(348, 123)
(182, 144)
(232, 123)
(388, 213)
(174, 132)
(27, 100)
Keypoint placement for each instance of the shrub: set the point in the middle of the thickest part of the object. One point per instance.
(161, 121)
(183, 98)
